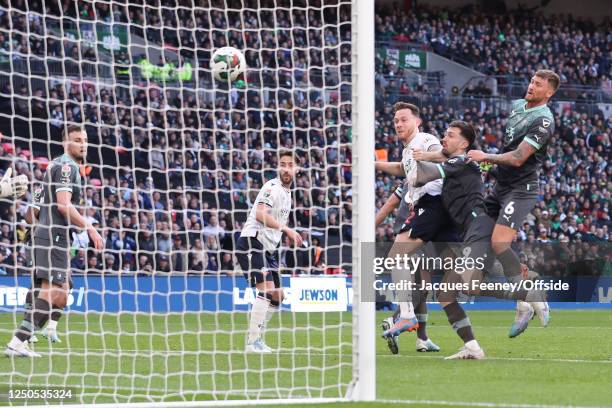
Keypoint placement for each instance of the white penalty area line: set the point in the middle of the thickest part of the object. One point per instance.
(480, 404)
(162, 353)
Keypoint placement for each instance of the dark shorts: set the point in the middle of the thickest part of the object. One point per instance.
(511, 205)
(429, 221)
(258, 265)
(51, 263)
(477, 240)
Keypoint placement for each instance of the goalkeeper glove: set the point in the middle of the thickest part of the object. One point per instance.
(13, 187)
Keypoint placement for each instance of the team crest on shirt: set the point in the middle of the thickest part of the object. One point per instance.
(546, 122)
(66, 170)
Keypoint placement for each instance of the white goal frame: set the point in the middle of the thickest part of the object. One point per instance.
(363, 384)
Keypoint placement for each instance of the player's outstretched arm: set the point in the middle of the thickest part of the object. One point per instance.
(435, 156)
(394, 168)
(262, 214)
(13, 187)
(391, 204)
(514, 158)
(74, 217)
(424, 172)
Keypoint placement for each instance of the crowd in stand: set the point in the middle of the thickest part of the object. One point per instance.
(176, 199)
(514, 43)
(175, 172)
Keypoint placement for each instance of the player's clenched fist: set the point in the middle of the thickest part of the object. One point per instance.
(417, 154)
(13, 187)
(476, 155)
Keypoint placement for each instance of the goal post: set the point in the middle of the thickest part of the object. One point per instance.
(363, 181)
(175, 160)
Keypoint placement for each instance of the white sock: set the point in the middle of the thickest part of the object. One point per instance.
(270, 314)
(15, 343)
(258, 318)
(472, 345)
(52, 324)
(406, 310)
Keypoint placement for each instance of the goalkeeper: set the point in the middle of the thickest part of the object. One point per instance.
(32, 214)
(60, 194)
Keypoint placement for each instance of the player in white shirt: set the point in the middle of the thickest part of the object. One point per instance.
(257, 246)
(426, 222)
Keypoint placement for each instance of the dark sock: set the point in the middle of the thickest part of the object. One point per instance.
(56, 313)
(421, 314)
(459, 320)
(41, 313)
(25, 329)
(511, 264)
(422, 329)
(520, 294)
(28, 299)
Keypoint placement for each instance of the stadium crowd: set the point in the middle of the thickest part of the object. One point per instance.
(174, 173)
(514, 43)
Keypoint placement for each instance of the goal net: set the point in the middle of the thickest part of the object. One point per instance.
(175, 160)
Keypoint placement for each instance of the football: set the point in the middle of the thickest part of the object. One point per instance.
(227, 64)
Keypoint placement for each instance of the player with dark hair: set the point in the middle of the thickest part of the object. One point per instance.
(528, 131)
(463, 200)
(61, 193)
(256, 249)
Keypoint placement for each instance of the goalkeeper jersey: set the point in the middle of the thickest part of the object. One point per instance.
(278, 198)
(61, 175)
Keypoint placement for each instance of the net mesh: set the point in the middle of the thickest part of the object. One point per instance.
(174, 163)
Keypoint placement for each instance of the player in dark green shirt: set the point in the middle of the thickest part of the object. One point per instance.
(528, 131)
(60, 194)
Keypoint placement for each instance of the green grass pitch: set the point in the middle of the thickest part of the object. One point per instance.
(184, 357)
